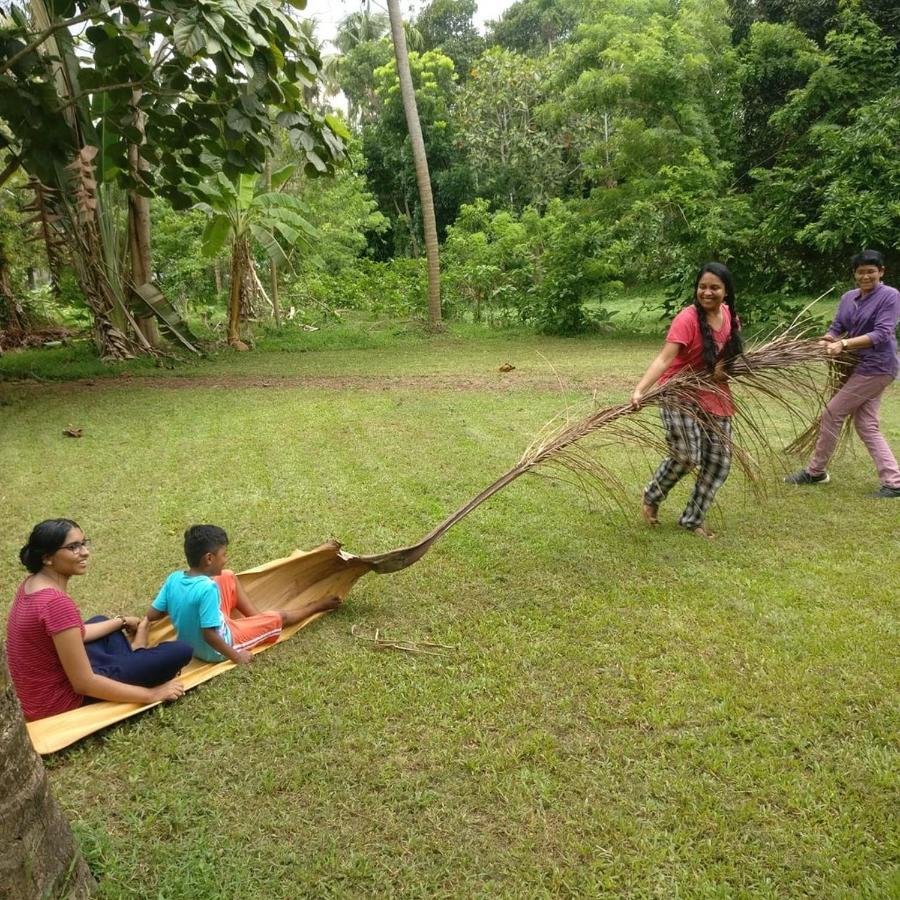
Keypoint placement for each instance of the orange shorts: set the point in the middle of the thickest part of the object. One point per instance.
(246, 631)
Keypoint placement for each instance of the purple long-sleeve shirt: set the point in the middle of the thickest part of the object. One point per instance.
(876, 316)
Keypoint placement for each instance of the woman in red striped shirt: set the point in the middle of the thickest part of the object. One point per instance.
(58, 662)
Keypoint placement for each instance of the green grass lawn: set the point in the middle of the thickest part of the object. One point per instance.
(626, 712)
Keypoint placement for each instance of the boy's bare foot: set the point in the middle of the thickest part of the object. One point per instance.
(294, 616)
(141, 635)
(326, 603)
(703, 532)
(650, 512)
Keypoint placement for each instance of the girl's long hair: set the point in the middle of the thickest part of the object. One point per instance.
(735, 344)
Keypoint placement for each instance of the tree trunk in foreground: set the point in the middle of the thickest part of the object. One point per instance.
(423, 179)
(38, 855)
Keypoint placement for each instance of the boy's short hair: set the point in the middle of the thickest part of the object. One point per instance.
(867, 258)
(202, 539)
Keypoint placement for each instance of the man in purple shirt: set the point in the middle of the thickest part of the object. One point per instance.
(865, 322)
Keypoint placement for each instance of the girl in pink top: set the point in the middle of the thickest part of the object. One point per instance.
(57, 661)
(702, 337)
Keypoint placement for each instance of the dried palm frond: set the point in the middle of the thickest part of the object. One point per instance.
(48, 226)
(781, 370)
(100, 295)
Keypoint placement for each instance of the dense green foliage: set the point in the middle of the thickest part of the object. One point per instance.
(576, 148)
(660, 134)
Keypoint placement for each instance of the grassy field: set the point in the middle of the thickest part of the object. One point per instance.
(626, 712)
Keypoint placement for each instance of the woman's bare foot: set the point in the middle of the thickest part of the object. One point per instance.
(650, 512)
(139, 642)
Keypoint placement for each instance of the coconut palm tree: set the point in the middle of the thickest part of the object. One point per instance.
(423, 179)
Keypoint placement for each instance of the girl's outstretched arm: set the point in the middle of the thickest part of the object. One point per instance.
(663, 360)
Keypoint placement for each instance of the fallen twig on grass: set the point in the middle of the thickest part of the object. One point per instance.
(381, 642)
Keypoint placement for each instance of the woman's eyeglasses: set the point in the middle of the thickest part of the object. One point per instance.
(77, 546)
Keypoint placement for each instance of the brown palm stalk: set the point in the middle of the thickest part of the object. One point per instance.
(780, 370)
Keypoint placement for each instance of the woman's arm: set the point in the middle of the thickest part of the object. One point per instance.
(663, 360)
(77, 666)
(95, 630)
(835, 347)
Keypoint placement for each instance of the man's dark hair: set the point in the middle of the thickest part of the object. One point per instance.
(202, 539)
(867, 258)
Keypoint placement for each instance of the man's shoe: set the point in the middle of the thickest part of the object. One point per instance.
(803, 477)
(886, 493)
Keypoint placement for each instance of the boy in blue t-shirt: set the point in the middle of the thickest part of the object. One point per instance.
(200, 603)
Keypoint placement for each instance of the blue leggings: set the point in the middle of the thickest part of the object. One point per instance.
(113, 657)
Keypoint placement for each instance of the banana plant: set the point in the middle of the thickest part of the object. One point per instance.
(243, 210)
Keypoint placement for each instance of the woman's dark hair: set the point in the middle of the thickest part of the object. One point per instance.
(45, 539)
(735, 345)
(867, 258)
(202, 539)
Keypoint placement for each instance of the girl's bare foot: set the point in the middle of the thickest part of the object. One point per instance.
(141, 635)
(650, 512)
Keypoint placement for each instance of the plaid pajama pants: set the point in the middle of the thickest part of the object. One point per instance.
(696, 441)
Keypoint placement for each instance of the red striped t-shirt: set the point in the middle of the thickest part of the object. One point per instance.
(685, 330)
(41, 682)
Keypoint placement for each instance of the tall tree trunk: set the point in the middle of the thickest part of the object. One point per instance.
(139, 247)
(13, 315)
(234, 300)
(273, 266)
(139, 227)
(423, 179)
(38, 855)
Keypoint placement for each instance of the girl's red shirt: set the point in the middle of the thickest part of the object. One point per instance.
(41, 682)
(685, 331)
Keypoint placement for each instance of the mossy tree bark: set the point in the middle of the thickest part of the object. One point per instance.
(38, 854)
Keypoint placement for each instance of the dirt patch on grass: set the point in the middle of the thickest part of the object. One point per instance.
(499, 383)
